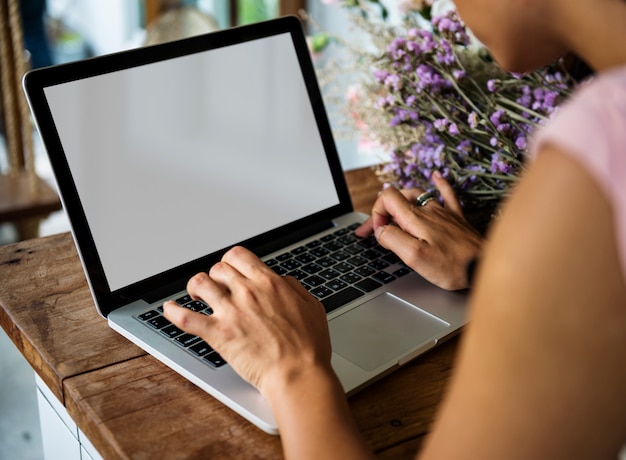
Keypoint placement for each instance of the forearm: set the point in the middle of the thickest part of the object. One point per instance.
(314, 418)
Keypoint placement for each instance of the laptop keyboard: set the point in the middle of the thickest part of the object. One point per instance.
(340, 267)
(336, 268)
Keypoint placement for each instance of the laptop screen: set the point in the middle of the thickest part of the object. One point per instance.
(176, 159)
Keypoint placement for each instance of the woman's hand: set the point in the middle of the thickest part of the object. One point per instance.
(275, 335)
(436, 241)
(268, 328)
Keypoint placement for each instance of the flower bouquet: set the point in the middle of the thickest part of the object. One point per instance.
(430, 95)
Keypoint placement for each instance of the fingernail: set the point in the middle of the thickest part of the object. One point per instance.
(378, 231)
(437, 175)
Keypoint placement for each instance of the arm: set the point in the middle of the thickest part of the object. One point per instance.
(541, 373)
(275, 335)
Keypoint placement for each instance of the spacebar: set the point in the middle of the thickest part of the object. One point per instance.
(341, 298)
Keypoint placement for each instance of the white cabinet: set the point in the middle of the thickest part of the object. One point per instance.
(61, 437)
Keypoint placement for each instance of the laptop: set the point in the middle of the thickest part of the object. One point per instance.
(166, 156)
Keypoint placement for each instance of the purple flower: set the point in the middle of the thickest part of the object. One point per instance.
(496, 117)
(459, 74)
(394, 81)
(493, 85)
(520, 142)
(464, 147)
(441, 124)
(380, 75)
(498, 165)
(472, 120)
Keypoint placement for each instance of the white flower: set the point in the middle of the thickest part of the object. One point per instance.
(441, 7)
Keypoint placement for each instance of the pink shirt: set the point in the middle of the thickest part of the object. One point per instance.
(591, 127)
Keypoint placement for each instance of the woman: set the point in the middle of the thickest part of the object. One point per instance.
(542, 360)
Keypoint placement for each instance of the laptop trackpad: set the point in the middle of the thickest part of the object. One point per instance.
(382, 329)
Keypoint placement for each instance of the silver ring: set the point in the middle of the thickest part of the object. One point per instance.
(425, 198)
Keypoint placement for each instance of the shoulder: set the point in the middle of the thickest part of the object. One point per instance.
(593, 119)
(590, 131)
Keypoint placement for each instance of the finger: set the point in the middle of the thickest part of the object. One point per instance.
(202, 286)
(297, 286)
(368, 226)
(411, 194)
(446, 191)
(409, 248)
(389, 206)
(403, 213)
(244, 262)
(365, 229)
(187, 320)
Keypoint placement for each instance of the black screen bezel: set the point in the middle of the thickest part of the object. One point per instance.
(175, 279)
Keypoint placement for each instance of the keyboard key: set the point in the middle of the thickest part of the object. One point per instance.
(305, 258)
(340, 298)
(378, 264)
(347, 239)
(195, 305)
(357, 261)
(149, 314)
(336, 285)
(321, 291)
(171, 331)
(187, 340)
(368, 284)
(367, 243)
(290, 264)
(371, 254)
(271, 262)
(320, 252)
(201, 348)
(343, 267)
(391, 258)
(329, 274)
(299, 250)
(351, 278)
(326, 262)
(364, 271)
(279, 270)
(298, 274)
(333, 246)
(312, 268)
(340, 256)
(214, 359)
(314, 281)
(158, 322)
(383, 277)
(183, 300)
(401, 272)
(354, 249)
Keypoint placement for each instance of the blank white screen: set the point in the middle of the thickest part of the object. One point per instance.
(178, 159)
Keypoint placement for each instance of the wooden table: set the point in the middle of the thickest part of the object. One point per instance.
(131, 406)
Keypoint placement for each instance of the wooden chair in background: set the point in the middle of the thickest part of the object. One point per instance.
(25, 198)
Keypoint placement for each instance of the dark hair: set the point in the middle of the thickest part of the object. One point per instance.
(577, 68)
